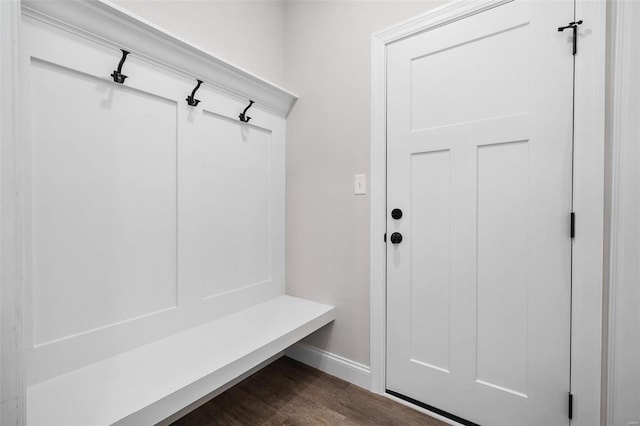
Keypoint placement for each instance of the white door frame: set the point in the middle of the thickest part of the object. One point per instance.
(588, 194)
(623, 342)
(12, 392)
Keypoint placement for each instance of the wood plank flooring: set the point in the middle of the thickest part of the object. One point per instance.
(290, 393)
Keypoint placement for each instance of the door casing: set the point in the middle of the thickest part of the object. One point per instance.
(588, 196)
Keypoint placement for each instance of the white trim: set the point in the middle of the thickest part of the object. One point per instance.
(12, 391)
(588, 194)
(116, 27)
(453, 10)
(378, 208)
(623, 131)
(335, 365)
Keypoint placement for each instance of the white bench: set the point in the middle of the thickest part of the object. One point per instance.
(150, 383)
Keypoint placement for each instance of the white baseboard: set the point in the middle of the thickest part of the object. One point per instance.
(335, 365)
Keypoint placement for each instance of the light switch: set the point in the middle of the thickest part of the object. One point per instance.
(360, 185)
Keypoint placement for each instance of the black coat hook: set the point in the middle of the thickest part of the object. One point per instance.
(117, 75)
(191, 100)
(243, 115)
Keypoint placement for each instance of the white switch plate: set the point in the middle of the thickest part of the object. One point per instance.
(360, 185)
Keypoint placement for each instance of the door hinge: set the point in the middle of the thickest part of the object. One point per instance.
(385, 237)
(570, 406)
(573, 225)
(574, 27)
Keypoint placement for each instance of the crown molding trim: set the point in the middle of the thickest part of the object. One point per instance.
(111, 25)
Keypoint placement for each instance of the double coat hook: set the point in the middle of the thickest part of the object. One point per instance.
(243, 115)
(191, 100)
(117, 75)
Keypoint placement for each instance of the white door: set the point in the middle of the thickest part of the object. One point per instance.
(479, 162)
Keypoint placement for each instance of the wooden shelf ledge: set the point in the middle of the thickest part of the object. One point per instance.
(150, 383)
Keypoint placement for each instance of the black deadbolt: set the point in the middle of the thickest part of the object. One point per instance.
(396, 213)
(396, 238)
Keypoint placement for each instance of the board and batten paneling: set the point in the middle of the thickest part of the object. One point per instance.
(237, 174)
(144, 216)
(103, 190)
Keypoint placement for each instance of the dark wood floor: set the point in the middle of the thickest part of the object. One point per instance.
(290, 393)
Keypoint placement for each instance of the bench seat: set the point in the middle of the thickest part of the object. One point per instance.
(150, 383)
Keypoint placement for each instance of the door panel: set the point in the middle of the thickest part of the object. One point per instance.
(430, 281)
(502, 200)
(479, 125)
(438, 75)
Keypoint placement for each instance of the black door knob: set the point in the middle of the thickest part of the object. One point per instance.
(396, 213)
(396, 238)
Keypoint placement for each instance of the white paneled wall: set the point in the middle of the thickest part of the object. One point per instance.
(144, 216)
(104, 207)
(237, 171)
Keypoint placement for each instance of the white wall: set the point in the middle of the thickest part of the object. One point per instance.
(328, 66)
(250, 34)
